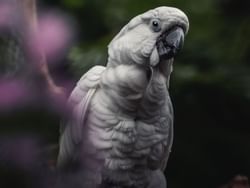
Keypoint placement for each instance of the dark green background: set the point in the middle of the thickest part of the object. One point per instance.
(210, 85)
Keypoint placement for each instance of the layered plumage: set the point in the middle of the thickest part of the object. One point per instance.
(122, 131)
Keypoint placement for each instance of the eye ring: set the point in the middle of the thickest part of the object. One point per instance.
(156, 25)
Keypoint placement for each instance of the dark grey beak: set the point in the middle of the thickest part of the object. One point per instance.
(170, 43)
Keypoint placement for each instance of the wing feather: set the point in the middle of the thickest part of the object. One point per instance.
(169, 145)
(71, 130)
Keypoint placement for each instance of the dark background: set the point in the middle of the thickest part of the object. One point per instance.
(209, 87)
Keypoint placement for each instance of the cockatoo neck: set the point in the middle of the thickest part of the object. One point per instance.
(165, 68)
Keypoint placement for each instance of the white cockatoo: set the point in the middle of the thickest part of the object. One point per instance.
(122, 131)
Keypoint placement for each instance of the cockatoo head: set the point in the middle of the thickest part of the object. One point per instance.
(150, 38)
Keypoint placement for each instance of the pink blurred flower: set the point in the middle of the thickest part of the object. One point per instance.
(52, 37)
(59, 101)
(6, 11)
(12, 94)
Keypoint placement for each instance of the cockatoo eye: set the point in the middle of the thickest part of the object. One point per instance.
(156, 25)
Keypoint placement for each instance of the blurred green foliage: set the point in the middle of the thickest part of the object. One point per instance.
(210, 84)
